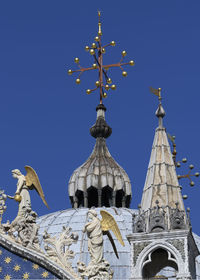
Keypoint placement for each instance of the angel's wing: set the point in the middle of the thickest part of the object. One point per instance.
(108, 223)
(32, 181)
(112, 242)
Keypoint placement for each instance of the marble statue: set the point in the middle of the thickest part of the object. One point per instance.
(98, 268)
(95, 237)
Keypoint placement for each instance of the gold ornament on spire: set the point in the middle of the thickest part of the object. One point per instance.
(157, 92)
(97, 50)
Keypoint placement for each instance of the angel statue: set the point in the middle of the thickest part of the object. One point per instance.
(98, 268)
(25, 222)
(24, 184)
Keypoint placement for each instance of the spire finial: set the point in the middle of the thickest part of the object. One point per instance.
(157, 92)
(104, 82)
(160, 112)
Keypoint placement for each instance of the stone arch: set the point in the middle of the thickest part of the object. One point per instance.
(145, 257)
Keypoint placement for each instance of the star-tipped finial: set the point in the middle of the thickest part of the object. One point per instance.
(104, 82)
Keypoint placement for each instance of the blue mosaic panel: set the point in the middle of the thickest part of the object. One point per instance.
(15, 267)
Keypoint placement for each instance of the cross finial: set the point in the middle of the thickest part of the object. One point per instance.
(97, 50)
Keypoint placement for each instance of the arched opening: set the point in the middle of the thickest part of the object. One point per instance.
(92, 197)
(106, 196)
(80, 198)
(119, 198)
(160, 264)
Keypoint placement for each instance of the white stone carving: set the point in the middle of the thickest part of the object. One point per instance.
(98, 268)
(58, 248)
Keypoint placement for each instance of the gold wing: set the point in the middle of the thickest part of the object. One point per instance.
(108, 223)
(32, 181)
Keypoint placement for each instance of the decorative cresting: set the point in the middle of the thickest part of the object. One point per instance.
(100, 181)
(162, 201)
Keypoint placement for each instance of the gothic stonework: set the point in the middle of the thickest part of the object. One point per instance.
(137, 249)
(179, 245)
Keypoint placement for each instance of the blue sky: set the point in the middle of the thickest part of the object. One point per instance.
(45, 117)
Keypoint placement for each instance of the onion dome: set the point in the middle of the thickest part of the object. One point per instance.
(100, 181)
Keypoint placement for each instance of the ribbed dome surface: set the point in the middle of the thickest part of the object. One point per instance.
(100, 171)
(76, 219)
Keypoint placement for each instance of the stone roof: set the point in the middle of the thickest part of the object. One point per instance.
(76, 219)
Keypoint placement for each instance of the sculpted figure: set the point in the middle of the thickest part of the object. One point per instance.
(25, 223)
(95, 237)
(24, 184)
(22, 192)
(98, 268)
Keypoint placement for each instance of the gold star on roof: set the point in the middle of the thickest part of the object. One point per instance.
(35, 266)
(7, 260)
(45, 274)
(26, 275)
(0, 252)
(7, 277)
(0, 269)
(17, 267)
(97, 50)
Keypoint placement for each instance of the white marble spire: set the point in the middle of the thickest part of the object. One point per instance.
(161, 180)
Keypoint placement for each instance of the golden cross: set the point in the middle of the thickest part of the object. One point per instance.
(97, 51)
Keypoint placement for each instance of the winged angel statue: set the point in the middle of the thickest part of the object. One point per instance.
(25, 222)
(98, 268)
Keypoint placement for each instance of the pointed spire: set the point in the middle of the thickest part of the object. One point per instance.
(161, 183)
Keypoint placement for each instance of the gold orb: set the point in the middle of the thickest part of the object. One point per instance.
(124, 53)
(100, 33)
(192, 184)
(92, 52)
(131, 62)
(124, 73)
(109, 81)
(113, 87)
(107, 87)
(103, 50)
(97, 83)
(104, 95)
(17, 197)
(96, 38)
(76, 60)
(94, 65)
(112, 43)
(78, 81)
(88, 91)
(185, 196)
(87, 48)
(94, 46)
(69, 72)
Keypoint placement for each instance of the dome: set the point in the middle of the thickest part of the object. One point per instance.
(100, 181)
(76, 219)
